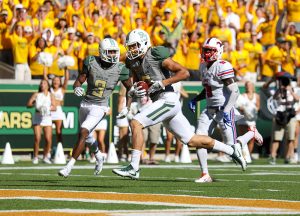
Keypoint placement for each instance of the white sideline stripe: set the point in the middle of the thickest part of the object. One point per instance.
(193, 206)
(167, 195)
(177, 166)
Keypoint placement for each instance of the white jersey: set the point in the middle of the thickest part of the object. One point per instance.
(43, 103)
(216, 94)
(58, 95)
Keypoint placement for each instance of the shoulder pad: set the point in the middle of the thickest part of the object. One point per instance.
(88, 59)
(160, 53)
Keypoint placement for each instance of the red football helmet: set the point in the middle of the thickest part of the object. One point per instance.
(212, 50)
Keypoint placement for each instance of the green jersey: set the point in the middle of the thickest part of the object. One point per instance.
(102, 81)
(150, 67)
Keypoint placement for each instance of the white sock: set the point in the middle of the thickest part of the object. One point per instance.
(135, 159)
(71, 163)
(244, 139)
(202, 158)
(98, 155)
(221, 147)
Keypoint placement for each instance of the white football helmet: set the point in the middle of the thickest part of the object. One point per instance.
(212, 50)
(106, 47)
(140, 39)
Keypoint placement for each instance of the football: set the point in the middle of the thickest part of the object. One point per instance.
(143, 85)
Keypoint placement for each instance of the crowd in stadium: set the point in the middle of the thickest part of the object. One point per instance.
(261, 37)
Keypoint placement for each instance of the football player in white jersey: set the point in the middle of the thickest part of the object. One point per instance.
(153, 65)
(221, 92)
(102, 73)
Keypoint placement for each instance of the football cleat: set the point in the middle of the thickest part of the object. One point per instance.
(205, 178)
(257, 136)
(237, 156)
(64, 172)
(127, 171)
(99, 163)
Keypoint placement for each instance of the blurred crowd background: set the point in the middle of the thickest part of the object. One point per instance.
(261, 37)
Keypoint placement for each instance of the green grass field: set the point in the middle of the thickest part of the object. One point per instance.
(165, 189)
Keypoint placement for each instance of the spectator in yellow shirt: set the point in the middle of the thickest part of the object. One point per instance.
(154, 30)
(193, 15)
(61, 28)
(57, 51)
(255, 50)
(116, 28)
(290, 34)
(227, 52)
(37, 69)
(41, 21)
(78, 24)
(222, 32)
(245, 33)
(20, 48)
(289, 58)
(240, 60)
(273, 60)
(71, 47)
(159, 8)
(89, 48)
(193, 56)
(73, 7)
(168, 19)
(293, 11)
(267, 29)
(5, 43)
(182, 49)
(94, 24)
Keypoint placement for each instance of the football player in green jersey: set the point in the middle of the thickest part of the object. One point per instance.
(102, 75)
(153, 65)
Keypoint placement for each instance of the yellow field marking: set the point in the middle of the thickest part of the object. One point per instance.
(262, 203)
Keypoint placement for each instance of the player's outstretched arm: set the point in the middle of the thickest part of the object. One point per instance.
(181, 73)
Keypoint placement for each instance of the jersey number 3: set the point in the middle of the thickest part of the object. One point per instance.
(100, 85)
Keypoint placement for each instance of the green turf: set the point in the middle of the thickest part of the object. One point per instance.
(271, 182)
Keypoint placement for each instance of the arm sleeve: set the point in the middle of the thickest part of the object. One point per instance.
(124, 75)
(86, 65)
(234, 93)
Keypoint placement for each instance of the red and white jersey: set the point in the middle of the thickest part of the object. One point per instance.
(216, 94)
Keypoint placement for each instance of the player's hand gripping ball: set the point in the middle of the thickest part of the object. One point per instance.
(139, 89)
(142, 85)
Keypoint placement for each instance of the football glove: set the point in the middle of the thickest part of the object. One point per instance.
(123, 113)
(156, 86)
(79, 91)
(136, 92)
(192, 105)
